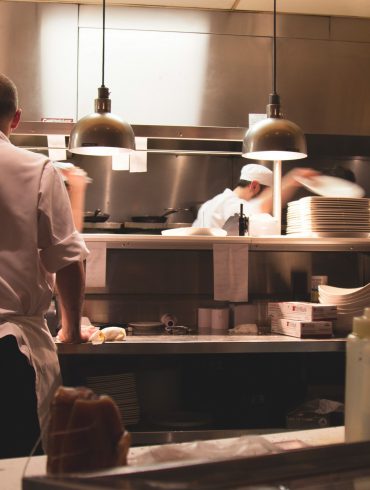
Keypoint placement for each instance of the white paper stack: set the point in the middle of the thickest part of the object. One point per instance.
(329, 217)
(302, 329)
(301, 310)
(301, 319)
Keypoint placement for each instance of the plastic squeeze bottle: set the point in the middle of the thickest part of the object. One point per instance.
(357, 389)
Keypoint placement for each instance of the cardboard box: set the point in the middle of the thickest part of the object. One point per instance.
(301, 329)
(296, 310)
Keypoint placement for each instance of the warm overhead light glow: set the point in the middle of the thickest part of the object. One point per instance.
(274, 138)
(101, 133)
(275, 155)
(100, 151)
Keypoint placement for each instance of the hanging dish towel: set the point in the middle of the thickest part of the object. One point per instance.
(230, 272)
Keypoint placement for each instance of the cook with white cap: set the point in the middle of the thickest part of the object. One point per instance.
(254, 191)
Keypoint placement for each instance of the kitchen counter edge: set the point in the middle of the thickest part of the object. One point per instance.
(204, 344)
(283, 243)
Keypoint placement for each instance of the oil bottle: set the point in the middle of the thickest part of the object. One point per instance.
(357, 382)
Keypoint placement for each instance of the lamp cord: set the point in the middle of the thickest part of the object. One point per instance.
(103, 54)
(273, 53)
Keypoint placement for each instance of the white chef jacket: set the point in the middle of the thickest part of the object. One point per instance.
(215, 212)
(37, 239)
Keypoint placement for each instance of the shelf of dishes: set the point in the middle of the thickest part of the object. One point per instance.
(201, 242)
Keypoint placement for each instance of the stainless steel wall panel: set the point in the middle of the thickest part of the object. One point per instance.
(160, 272)
(301, 26)
(144, 284)
(188, 79)
(325, 85)
(234, 65)
(355, 30)
(38, 46)
(177, 20)
(191, 76)
(182, 181)
(206, 22)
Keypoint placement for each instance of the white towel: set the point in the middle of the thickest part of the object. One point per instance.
(96, 264)
(230, 272)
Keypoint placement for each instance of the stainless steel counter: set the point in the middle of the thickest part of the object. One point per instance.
(204, 344)
(277, 243)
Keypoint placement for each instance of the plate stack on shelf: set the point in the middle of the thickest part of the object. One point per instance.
(329, 217)
(122, 388)
(350, 302)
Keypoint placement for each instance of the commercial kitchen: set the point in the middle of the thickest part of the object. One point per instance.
(190, 78)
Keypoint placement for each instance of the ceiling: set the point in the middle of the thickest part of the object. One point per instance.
(348, 8)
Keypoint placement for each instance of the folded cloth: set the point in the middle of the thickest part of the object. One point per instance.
(230, 272)
(109, 334)
(244, 329)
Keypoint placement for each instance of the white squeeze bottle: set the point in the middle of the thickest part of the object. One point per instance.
(357, 391)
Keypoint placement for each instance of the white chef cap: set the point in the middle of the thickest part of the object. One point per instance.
(254, 171)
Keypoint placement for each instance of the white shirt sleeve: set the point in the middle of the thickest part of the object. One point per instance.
(58, 241)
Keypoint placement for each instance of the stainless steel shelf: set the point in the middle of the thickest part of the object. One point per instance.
(204, 344)
(175, 140)
(283, 243)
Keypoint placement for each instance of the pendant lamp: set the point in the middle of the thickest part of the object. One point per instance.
(274, 138)
(102, 133)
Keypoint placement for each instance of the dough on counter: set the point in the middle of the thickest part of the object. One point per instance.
(85, 432)
(109, 334)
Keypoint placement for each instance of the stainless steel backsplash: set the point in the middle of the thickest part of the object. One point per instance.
(187, 67)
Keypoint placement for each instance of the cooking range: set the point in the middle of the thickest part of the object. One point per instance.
(98, 222)
(131, 227)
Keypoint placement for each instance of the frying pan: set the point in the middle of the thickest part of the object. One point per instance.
(156, 219)
(95, 216)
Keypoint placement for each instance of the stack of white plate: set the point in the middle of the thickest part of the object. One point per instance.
(350, 303)
(329, 217)
(122, 388)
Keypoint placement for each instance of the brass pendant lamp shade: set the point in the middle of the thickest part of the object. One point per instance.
(274, 138)
(102, 133)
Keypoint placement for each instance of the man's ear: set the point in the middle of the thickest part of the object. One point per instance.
(255, 187)
(16, 118)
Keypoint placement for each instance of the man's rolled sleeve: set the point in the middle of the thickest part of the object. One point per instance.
(57, 256)
(58, 241)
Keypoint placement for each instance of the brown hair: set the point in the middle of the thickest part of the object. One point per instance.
(245, 183)
(8, 97)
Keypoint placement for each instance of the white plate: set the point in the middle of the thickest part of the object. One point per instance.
(321, 200)
(330, 234)
(193, 230)
(346, 200)
(328, 186)
(343, 291)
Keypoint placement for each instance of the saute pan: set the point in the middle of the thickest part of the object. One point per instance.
(95, 216)
(156, 219)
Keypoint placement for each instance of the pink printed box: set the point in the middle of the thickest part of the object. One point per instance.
(302, 329)
(299, 310)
